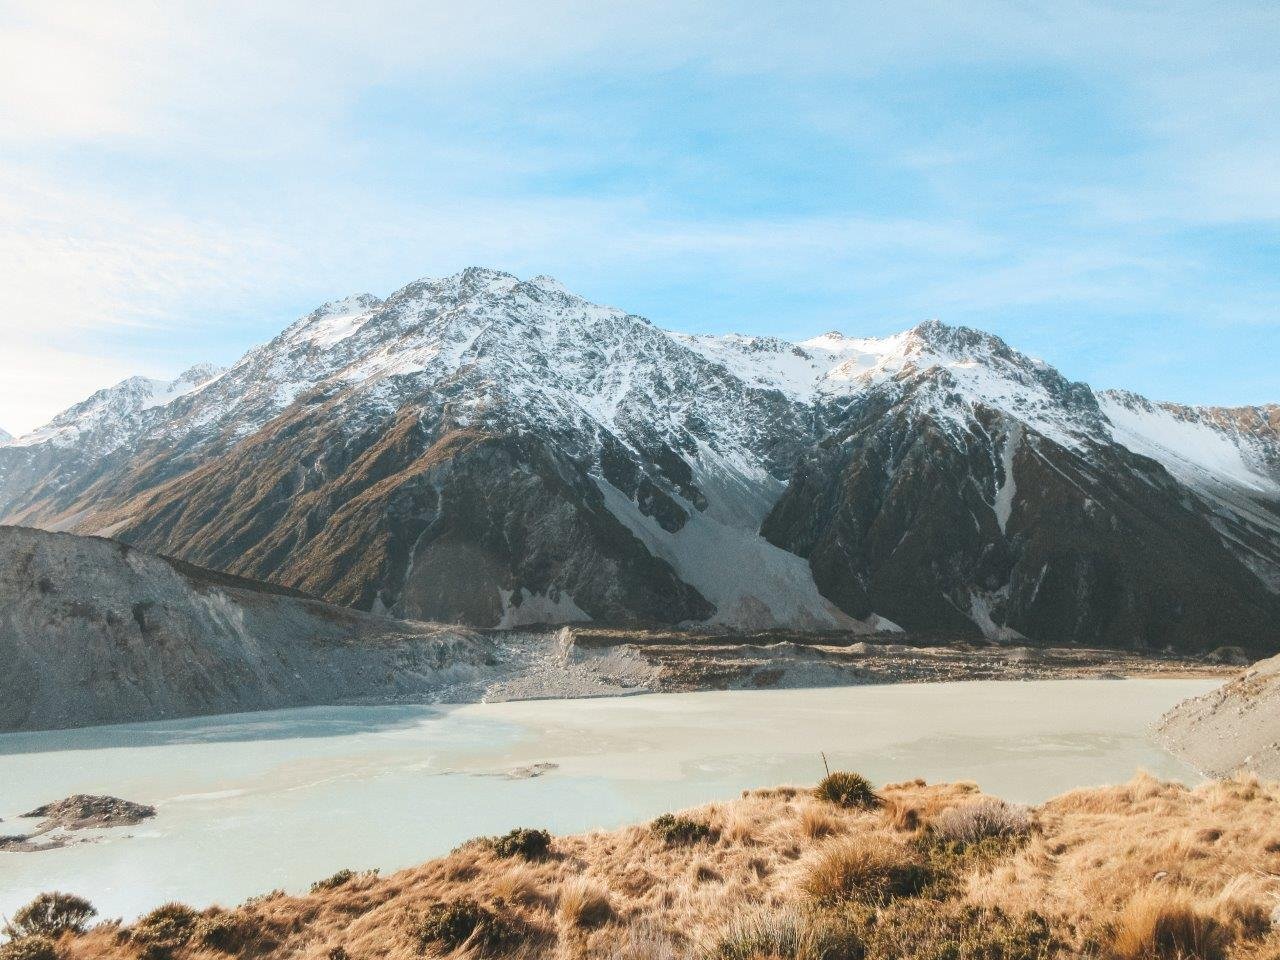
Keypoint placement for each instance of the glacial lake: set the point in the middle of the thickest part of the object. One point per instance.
(252, 802)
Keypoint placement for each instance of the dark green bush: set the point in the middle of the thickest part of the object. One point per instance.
(675, 829)
(523, 842)
(450, 925)
(164, 930)
(34, 947)
(846, 790)
(339, 879)
(224, 931)
(52, 914)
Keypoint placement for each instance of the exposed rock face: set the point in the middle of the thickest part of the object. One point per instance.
(937, 522)
(1235, 727)
(93, 631)
(500, 452)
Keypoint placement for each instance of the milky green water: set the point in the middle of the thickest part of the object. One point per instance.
(251, 802)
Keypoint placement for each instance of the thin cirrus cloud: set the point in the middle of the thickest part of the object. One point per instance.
(1064, 174)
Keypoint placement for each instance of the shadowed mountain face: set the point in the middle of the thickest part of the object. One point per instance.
(501, 452)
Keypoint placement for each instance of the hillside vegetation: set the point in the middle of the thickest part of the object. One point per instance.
(1142, 871)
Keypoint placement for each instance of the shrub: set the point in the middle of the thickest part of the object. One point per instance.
(792, 934)
(164, 930)
(339, 879)
(1165, 924)
(32, 947)
(864, 867)
(223, 931)
(846, 790)
(51, 915)
(675, 829)
(583, 903)
(980, 820)
(450, 925)
(523, 842)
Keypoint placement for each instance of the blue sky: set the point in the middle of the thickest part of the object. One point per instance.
(1098, 183)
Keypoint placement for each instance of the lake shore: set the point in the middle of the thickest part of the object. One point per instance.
(585, 660)
(242, 799)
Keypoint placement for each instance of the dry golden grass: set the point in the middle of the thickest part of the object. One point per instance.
(583, 903)
(1164, 924)
(1141, 871)
(865, 866)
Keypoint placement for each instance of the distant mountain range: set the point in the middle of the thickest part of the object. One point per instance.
(500, 452)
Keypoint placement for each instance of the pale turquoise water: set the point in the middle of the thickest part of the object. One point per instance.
(256, 801)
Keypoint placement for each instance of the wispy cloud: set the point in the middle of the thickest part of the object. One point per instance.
(211, 167)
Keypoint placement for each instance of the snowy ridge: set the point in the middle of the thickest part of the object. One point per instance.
(1201, 444)
(5, 436)
(690, 439)
(110, 417)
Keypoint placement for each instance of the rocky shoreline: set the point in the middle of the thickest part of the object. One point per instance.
(584, 661)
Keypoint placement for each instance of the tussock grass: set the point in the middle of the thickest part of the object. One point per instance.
(583, 903)
(1139, 871)
(866, 867)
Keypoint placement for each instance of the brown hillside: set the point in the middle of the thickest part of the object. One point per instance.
(1142, 870)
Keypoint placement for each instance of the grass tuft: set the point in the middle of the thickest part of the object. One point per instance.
(583, 903)
(864, 867)
(1161, 923)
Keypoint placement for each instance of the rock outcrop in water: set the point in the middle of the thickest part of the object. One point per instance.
(79, 812)
(83, 811)
(93, 631)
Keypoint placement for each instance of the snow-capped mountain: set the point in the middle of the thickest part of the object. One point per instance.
(499, 451)
(5, 435)
(114, 416)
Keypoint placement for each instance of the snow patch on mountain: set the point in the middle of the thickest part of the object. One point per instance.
(1008, 489)
(1188, 445)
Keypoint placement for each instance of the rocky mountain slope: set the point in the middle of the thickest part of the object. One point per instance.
(501, 452)
(93, 631)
